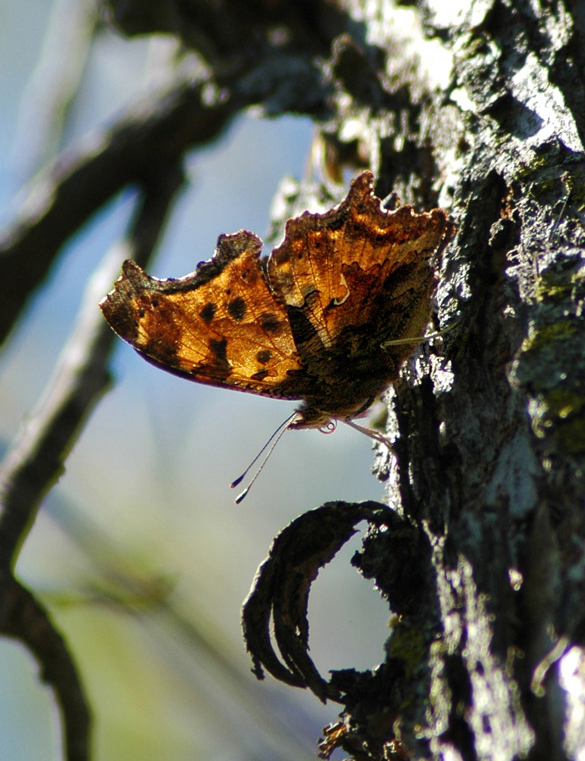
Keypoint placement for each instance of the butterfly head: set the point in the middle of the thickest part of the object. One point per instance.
(313, 415)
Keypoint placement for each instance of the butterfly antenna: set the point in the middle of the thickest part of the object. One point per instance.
(270, 444)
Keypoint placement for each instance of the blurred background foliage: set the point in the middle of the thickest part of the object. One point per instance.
(139, 552)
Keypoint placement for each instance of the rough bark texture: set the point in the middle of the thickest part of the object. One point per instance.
(488, 474)
(480, 109)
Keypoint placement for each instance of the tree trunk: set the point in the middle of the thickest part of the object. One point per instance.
(490, 450)
(490, 459)
(483, 111)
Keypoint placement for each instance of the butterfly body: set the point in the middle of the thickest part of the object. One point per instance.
(315, 321)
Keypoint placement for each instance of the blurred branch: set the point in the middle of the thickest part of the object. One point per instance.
(227, 32)
(83, 178)
(24, 619)
(35, 460)
(123, 583)
(155, 132)
(51, 90)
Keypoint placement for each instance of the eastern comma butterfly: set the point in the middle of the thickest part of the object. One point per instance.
(327, 318)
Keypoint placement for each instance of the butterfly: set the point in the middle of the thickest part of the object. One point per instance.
(327, 318)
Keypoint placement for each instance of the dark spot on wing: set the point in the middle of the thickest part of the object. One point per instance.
(264, 356)
(270, 322)
(260, 375)
(219, 349)
(302, 329)
(237, 308)
(162, 348)
(217, 368)
(208, 312)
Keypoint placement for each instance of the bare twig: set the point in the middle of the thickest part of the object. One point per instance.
(23, 618)
(160, 127)
(55, 82)
(35, 461)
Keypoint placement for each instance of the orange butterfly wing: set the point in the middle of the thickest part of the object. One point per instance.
(221, 325)
(315, 322)
(354, 280)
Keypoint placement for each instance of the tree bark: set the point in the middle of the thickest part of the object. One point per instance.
(486, 578)
(491, 428)
(489, 465)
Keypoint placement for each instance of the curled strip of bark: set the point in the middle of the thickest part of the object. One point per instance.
(35, 460)
(23, 618)
(281, 591)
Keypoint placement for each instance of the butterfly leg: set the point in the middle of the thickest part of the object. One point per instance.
(418, 339)
(370, 433)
